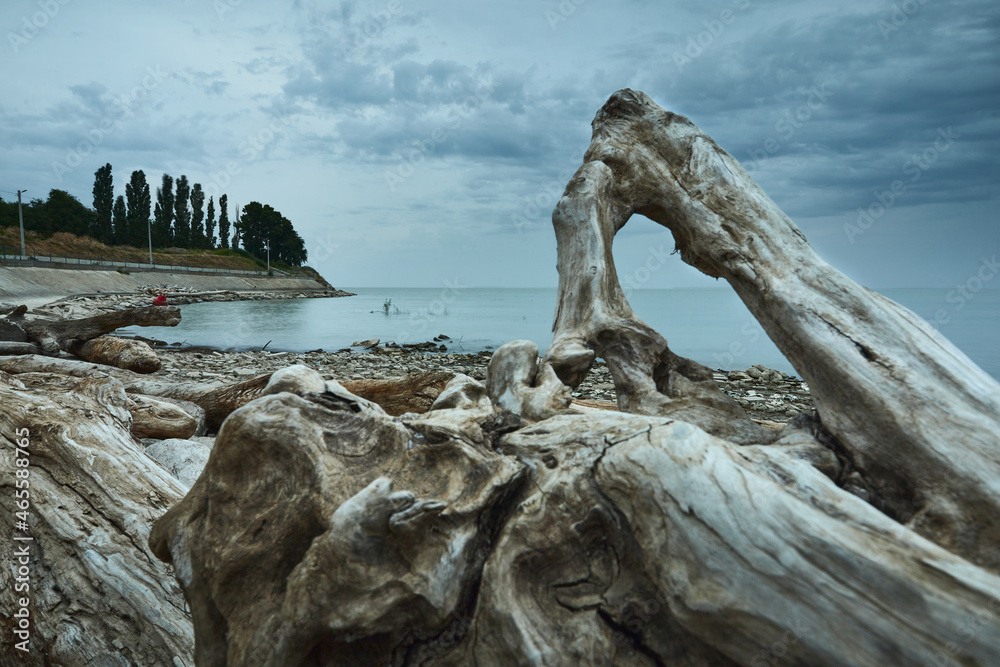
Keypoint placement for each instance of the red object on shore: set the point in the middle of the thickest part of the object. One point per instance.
(160, 301)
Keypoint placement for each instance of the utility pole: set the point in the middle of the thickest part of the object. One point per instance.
(20, 217)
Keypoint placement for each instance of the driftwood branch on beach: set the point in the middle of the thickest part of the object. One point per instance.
(55, 335)
(412, 393)
(85, 337)
(218, 401)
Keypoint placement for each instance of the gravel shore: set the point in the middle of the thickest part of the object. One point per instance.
(764, 393)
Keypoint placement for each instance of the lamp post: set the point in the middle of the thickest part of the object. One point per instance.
(149, 230)
(20, 217)
(268, 258)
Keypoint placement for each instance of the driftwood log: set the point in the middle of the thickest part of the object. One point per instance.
(33, 363)
(218, 401)
(97, 595)
(131, 354)
(919, 422)
(85, 338)
(411, 393)
(153, 418)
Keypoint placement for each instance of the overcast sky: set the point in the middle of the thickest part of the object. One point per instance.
(419, 143)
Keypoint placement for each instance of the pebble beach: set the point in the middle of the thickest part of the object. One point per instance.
(766, 394)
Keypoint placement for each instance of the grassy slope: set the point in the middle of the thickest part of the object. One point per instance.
(71, 245)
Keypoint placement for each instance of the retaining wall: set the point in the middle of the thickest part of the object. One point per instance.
(40, 282)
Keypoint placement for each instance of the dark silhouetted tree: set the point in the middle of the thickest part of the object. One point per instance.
(137, 198)
(62, 212)
(223, 221)
(163, 215)
(182, 214)
(104, 201)
(262, 226)
(236, 241)
(119, 222)
(210, 224)
(197, 217)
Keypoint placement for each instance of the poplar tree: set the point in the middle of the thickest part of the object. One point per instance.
(119, 221)
(104, 201)
(224, 221)
(210, 224)
(137, 198)
(197, 217)
(182, 214)
(163, 234)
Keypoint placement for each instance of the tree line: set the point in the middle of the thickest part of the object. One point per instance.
(179, 218)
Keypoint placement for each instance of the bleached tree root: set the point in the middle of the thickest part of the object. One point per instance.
(916, 418)
(97, 594)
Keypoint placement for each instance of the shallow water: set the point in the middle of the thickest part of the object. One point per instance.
(711, 326)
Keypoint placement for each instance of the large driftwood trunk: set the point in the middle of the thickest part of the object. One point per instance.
(218, 401)
(411, 393)
(502, 527)
(97, 595)
(916, 418)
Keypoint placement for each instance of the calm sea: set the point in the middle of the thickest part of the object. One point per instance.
(711, 326)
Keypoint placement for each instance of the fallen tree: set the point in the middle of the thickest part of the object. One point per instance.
(85, 337)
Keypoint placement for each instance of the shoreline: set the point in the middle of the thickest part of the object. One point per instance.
(766, 394)
(771, 396)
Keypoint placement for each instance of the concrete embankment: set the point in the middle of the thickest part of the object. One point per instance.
(36, 282)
